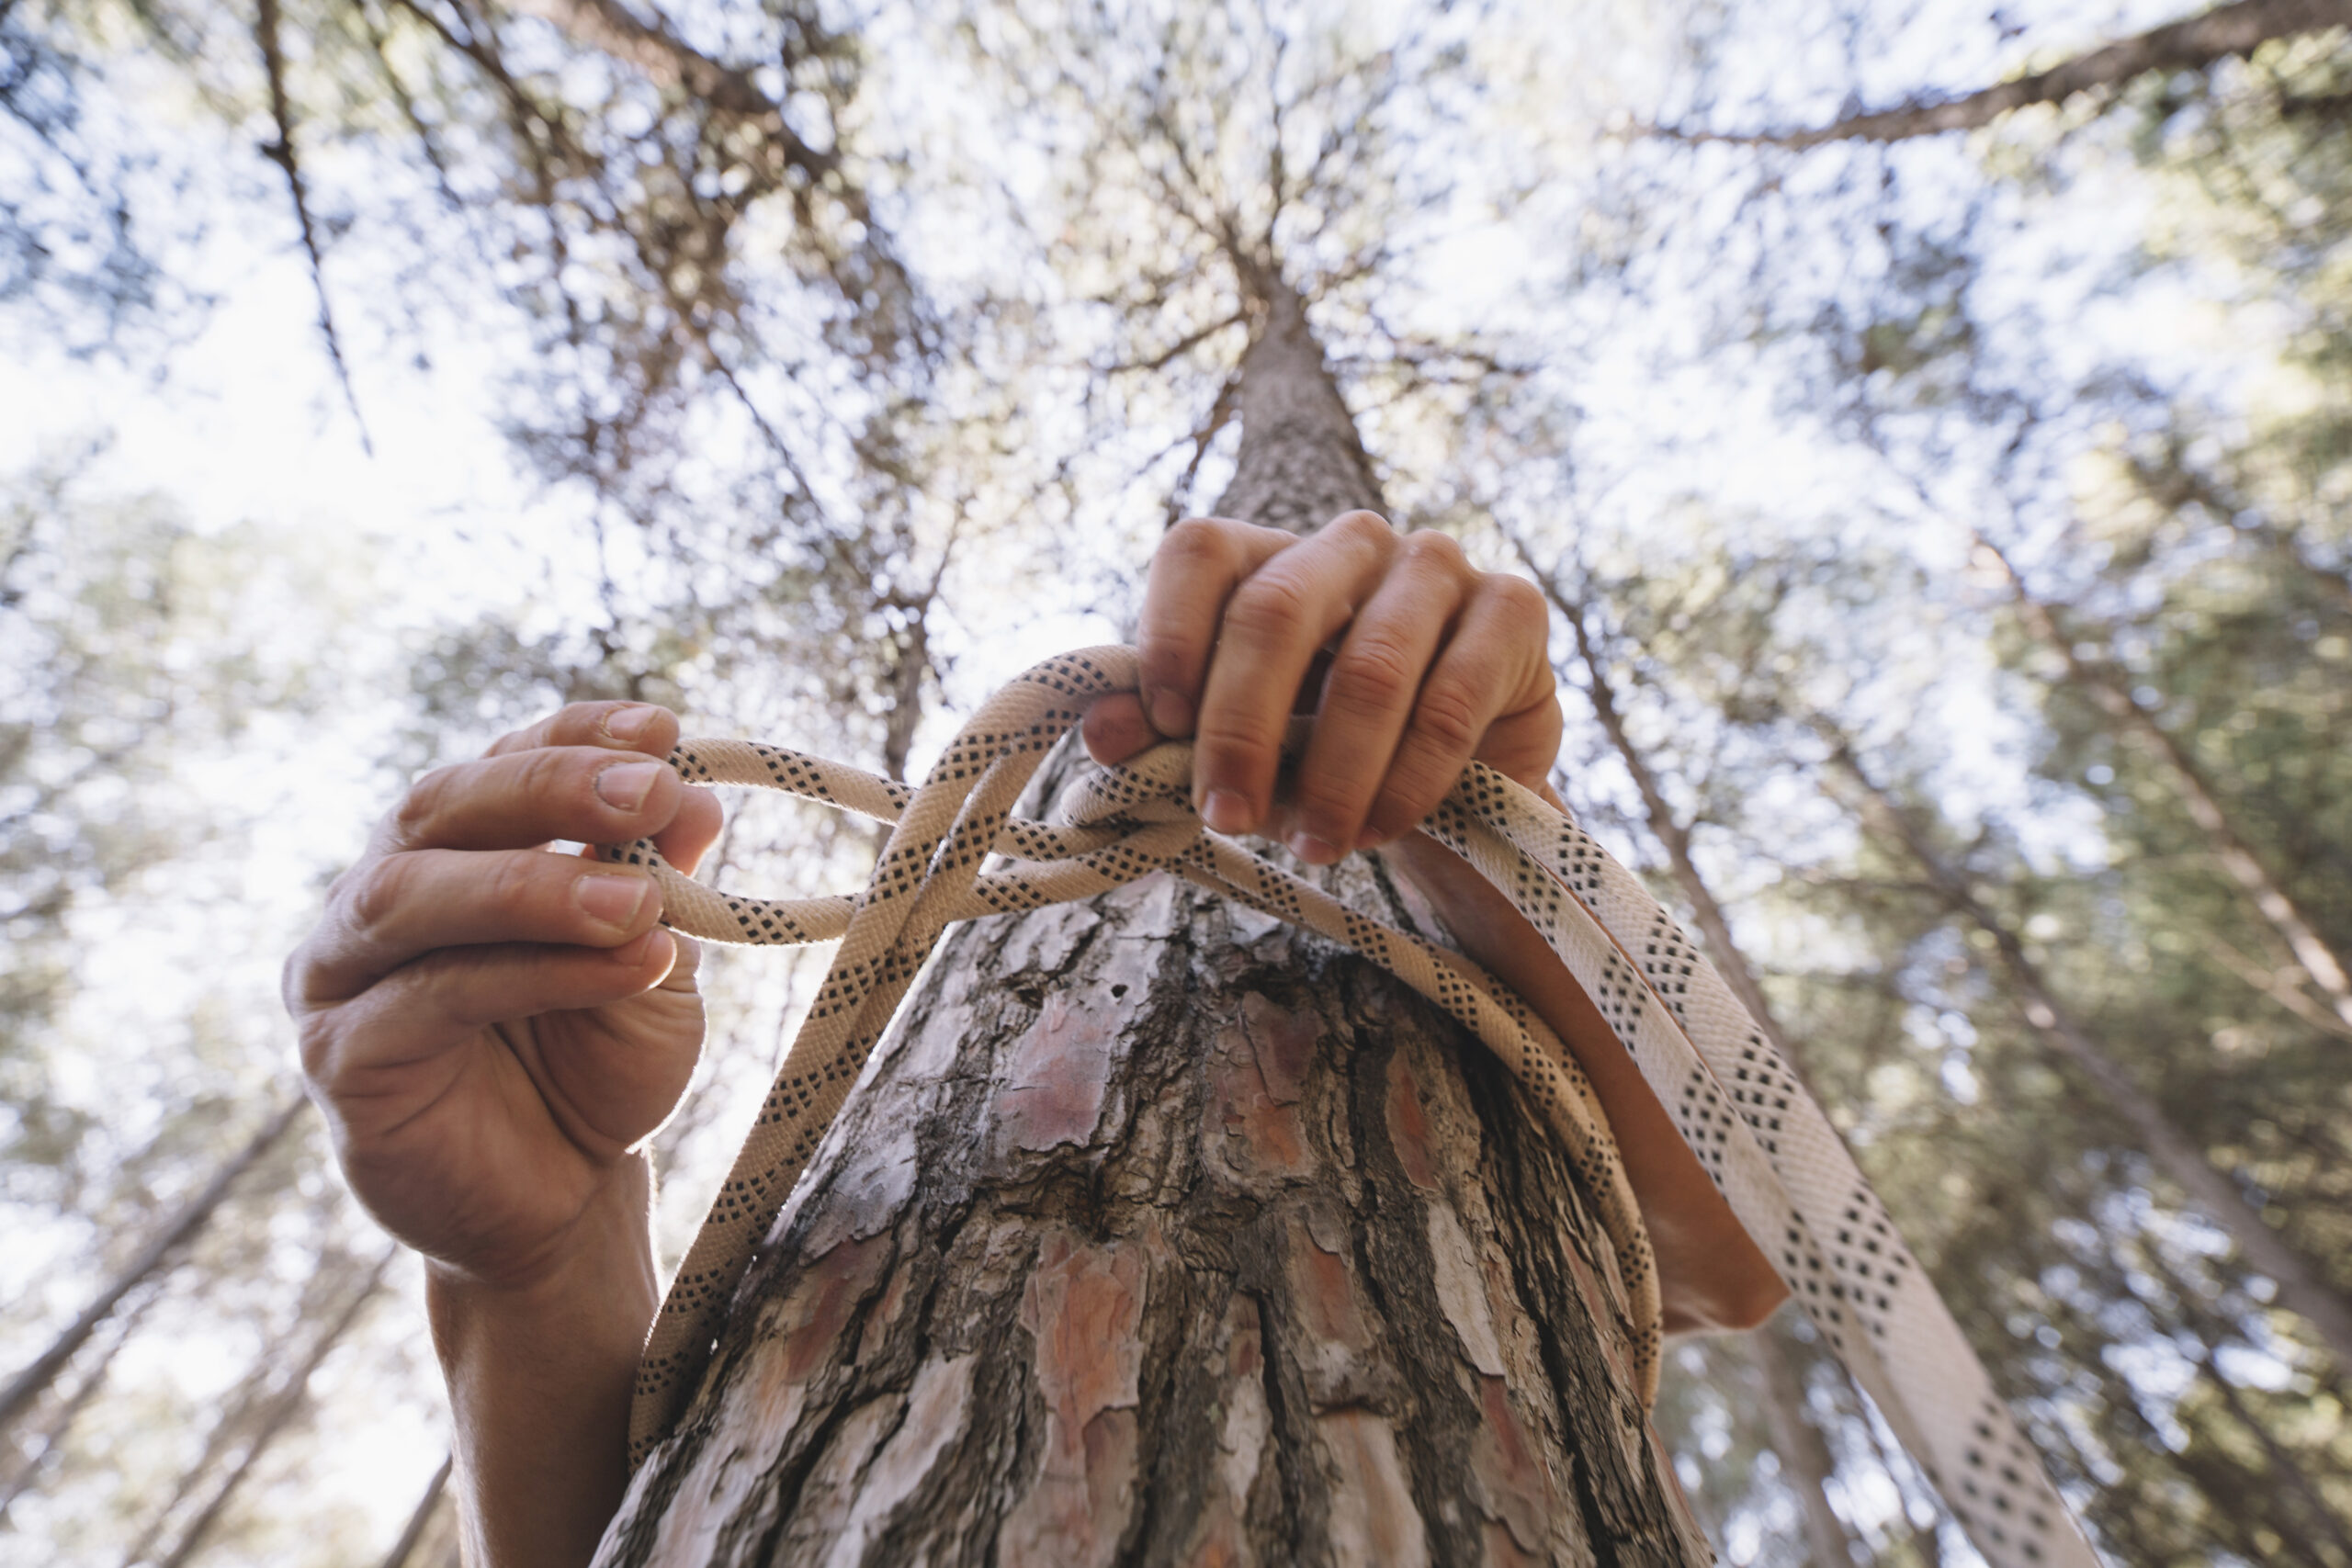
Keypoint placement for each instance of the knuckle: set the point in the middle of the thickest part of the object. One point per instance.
(314, 1043)
(294, 983)
(1329, 799)
(371, 895)
(1198, 540)
(1412, 790)
(1170, 656)
(1368, 527)
(547, 776)
(1428, 547)
(425, 800)
(509, 884)
(1270, 603)
(1519, 599)
(1228, 748)
(1372, 674)
(1447, 717)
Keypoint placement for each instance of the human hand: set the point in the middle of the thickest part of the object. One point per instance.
(1434, 663)
(490, 1028)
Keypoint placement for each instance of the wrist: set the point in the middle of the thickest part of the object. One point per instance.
(600, 1278)
(540, 1370)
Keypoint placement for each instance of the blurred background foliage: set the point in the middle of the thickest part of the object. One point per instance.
(1947, 529)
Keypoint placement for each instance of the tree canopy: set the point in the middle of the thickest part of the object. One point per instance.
(1929, 428)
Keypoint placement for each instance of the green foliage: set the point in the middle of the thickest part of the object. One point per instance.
(854, 352)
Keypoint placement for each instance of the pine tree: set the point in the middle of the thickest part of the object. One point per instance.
(1149, 1214)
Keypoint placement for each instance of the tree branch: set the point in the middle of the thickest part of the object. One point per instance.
(2236, 29)
(281, 152)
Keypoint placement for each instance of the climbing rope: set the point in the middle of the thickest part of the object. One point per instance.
(1768, 1147)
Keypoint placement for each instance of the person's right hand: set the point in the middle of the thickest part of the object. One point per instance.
(490, 1028)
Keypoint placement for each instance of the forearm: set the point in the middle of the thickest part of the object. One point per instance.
(1709, 1272)
(539, 1380)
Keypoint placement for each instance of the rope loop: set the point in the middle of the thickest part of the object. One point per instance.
(1768, 1147)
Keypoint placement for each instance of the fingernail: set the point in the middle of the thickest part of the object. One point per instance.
(1226, 812)
(628, 723)
(1170, 714)
(625, 784)
(1312, 849)
(612, 900)
(1368, 838)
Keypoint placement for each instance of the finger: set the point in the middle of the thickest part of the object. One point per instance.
(399, 907)
(1497, 663)
(693, 830)
(1115, 728)
(1195, 570)
(1525, 744)
(686, 960)
(424, 1009)
(689, 835)
(1369, 696)
(523, 799)
(621, 727)
(1273, 625)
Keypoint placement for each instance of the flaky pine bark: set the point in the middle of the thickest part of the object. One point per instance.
(1160, 1233)
(2222, 33)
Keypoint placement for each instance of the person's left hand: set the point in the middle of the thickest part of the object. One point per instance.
(1434, 663)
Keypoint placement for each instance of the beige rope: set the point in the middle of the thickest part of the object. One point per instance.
(1766, 1144)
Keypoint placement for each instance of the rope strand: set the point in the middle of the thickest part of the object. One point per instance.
(1768, 1146)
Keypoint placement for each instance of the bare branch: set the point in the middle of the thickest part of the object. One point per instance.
(2222, 33)
(281, 152)
(1180, 347)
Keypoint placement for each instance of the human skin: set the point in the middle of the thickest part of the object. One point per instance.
(494, 1031)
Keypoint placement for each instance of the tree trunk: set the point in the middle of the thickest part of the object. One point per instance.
(421, 1519)
(2321, 961)
(2236, 29)
(278, 1416)
(30, 1383)
(1806, 1460)
(50, 1442)
(1806, 1463)
(2303, 1288)
(1160, 1233)
(2282, 1468)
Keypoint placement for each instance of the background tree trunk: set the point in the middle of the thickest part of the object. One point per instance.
(2237, 28)
(191, 1217)
(1161, 1233)
(2303, 1283)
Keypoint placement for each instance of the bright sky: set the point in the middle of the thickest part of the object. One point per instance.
(250, 425)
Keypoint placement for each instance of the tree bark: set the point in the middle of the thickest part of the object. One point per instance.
(1161, 1233)
(2236, 29)
(2303, 1287)
(30, 1383)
